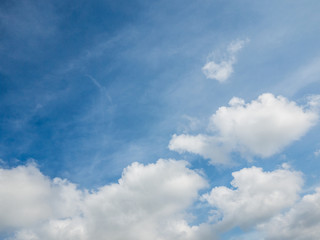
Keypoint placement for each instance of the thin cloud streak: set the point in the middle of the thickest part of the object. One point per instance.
(100, 87)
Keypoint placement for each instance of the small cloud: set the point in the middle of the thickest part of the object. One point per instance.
(218, 71)
(222, 69)
(286, 166)
(314, 101)
(235, 101)
(317, 153)
(206, 146)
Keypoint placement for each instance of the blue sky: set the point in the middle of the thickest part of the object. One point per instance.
(88, 88)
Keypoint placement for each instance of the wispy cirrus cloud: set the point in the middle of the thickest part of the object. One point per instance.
(303, 76)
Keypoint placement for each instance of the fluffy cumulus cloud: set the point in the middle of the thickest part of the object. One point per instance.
(255, 196)
(300, 222)
(28, 197)
(264, 126)
(261, 128)
(152, 202)
(221, 69)
(148, 202)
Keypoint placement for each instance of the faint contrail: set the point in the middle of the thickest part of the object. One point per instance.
(101, 88)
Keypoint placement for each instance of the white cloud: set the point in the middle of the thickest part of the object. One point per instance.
(221, 70)
(152, 202)
(206, 146)
(27, 197)
(148, 202)
(256, 196)
(66, 229)
(261, 128)
(300, 222)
